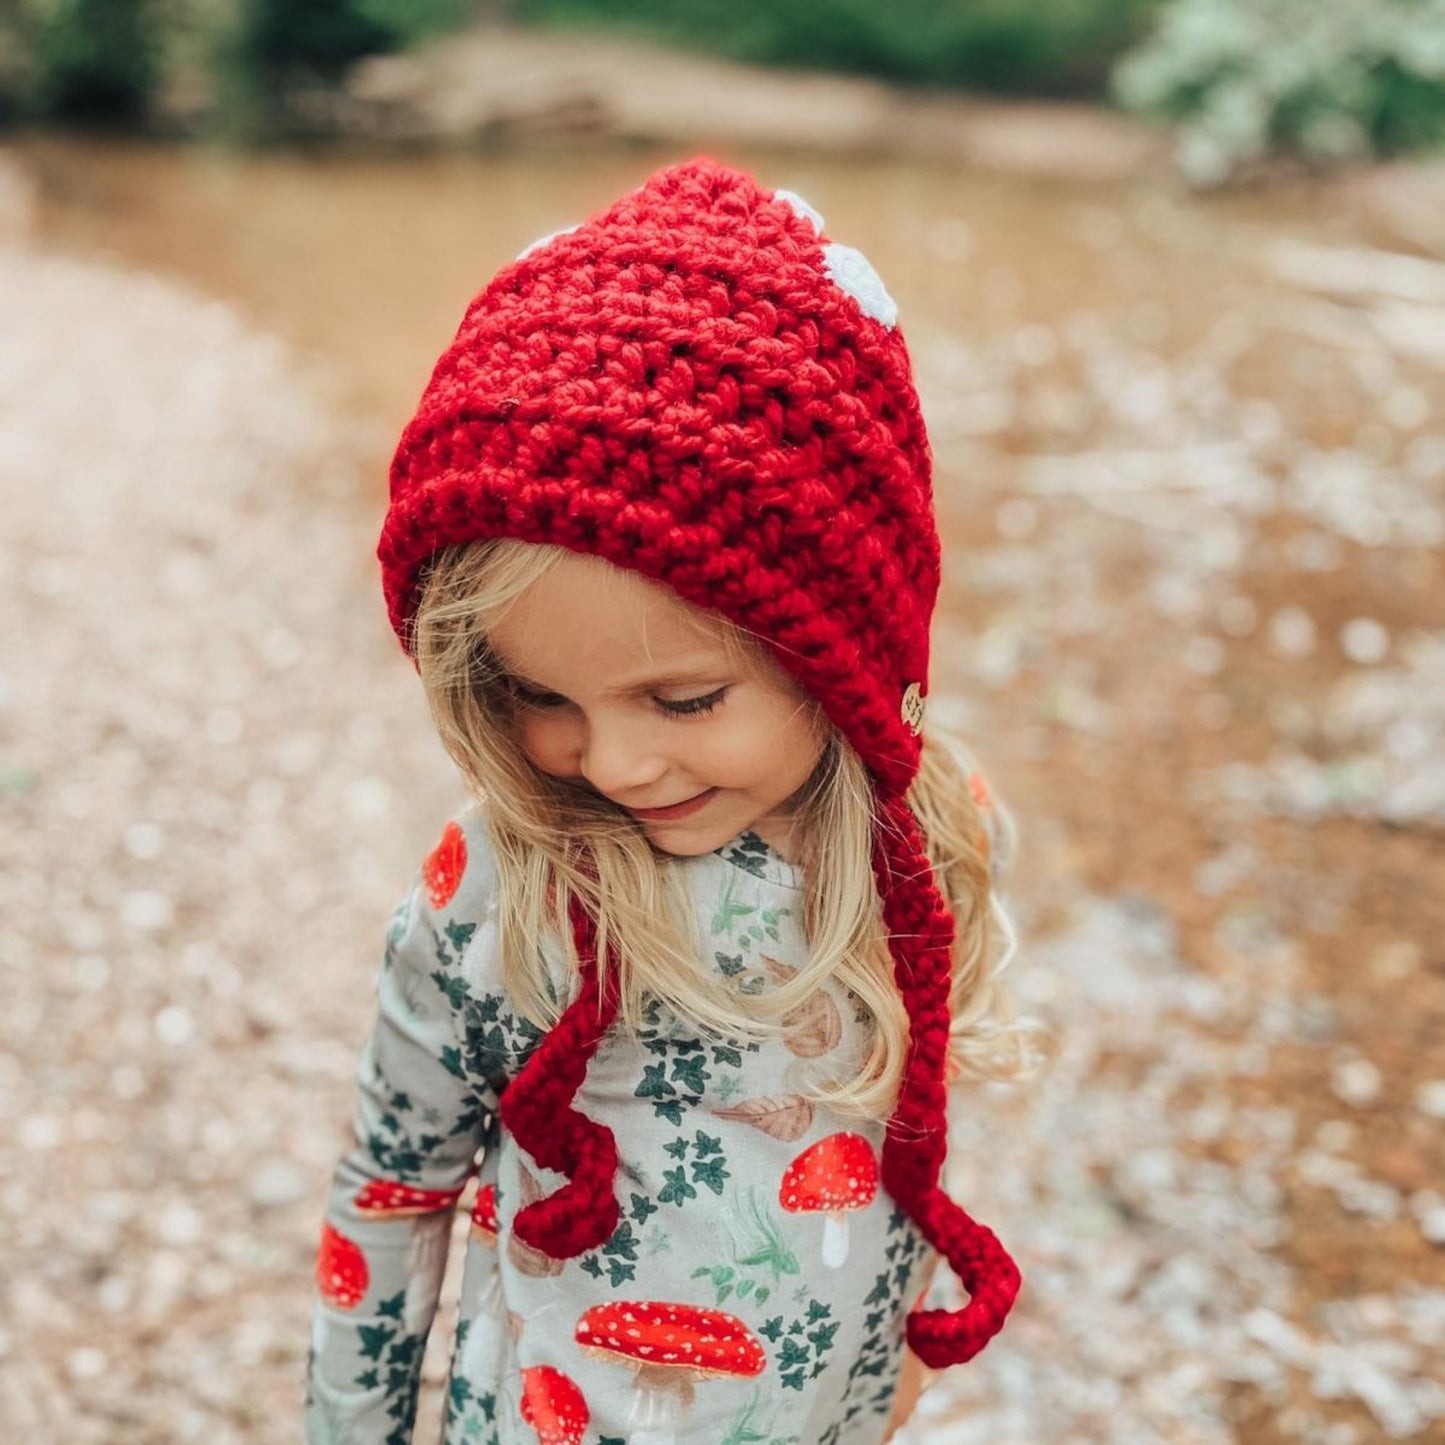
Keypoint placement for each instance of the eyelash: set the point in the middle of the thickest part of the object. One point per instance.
(691, 707)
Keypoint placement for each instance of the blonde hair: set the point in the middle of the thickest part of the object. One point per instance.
(540, 824)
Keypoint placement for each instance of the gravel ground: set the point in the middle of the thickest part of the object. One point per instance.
(1206, 656)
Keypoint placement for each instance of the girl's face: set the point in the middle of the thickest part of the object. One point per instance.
(616, 681)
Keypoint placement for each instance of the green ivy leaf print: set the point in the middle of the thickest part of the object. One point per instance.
(729, 964)
(460, 934)
(374, 1339)
(642, 1207)
(623, 1242)
(677, 1190)
(390, 1143)
(614, 1259)
(654, 1083)
(802, 1353)
(469, 1418)
(710, 1173)
(691, 1073)
(398, 1356)
(453, 986)
(877, 1358)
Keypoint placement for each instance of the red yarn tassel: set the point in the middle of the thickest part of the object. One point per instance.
(537, 1109)
(921, 933)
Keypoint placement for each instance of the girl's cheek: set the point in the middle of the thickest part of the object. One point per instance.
(544, 744)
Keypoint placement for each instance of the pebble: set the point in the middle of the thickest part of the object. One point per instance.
(174, 1025)
(1292, 632)
(1428, 1209)
(86, 1363)
(144, 841)
(1377, 1201)
(1364, 640)
(178, 1223)
(1204, 656)
(1238, 616)
(1430, 1099)
(147, 910)
(276, 1184)
(41, 1133)
(1357, 1082)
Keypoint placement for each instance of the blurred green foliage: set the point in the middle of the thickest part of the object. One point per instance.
(106, 59)
(323, 37)
(80, 60)
(269, 47)
(1329, 79)
(1035, 47)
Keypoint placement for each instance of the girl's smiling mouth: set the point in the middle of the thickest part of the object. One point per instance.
(677, 810)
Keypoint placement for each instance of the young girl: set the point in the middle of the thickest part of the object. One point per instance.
(690, 976)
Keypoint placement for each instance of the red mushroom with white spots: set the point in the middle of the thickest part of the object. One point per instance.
(443, 867)
(668, 1347)
(391, 1199)
(341, 1271)
(835, 1174)
(553, 1406)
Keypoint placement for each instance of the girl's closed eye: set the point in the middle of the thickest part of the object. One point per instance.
(683, 707)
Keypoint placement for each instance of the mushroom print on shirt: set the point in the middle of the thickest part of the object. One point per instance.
(756, 1285)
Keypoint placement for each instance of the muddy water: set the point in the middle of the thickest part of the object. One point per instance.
(367, 264)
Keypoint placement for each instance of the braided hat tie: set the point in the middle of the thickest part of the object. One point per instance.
(698, 385)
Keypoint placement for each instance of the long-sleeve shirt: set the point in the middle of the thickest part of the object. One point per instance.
(756, 1286)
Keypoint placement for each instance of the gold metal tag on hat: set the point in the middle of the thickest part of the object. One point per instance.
(912, 709)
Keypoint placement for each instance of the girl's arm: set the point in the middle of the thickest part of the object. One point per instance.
(418, 1121)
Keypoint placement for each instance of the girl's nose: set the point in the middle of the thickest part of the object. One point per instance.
(618, 763)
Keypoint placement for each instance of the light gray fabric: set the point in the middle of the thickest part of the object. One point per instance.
(707, 1134)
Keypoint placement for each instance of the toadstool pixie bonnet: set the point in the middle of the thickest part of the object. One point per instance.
(699, 385)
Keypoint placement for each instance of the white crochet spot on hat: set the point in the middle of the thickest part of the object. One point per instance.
(853, 272)
(542, 241)
(793, 199)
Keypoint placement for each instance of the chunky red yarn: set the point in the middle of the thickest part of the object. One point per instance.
(700, 385)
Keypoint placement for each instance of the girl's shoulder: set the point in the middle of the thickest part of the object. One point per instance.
(463, 883)
(459, 876)
(449, 916)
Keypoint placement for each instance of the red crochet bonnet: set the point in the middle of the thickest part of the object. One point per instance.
(698, 384)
